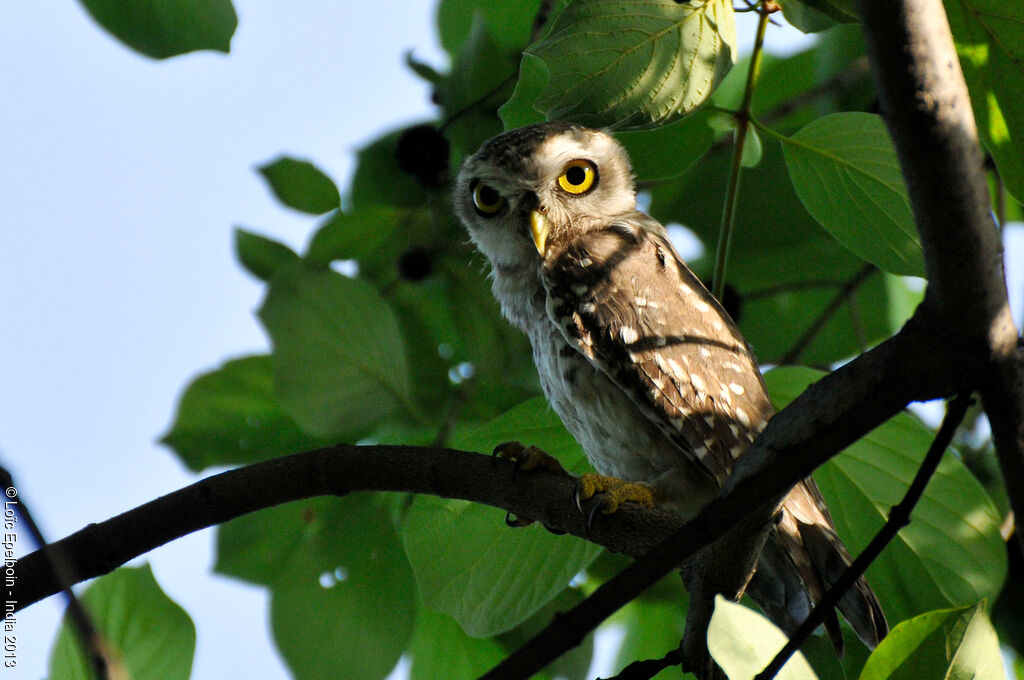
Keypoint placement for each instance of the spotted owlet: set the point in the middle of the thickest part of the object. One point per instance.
(638, 359)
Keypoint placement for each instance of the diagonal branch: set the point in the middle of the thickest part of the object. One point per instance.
(898, 518)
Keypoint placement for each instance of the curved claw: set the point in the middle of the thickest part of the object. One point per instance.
(516, 522)
(598, 507)
(577, 498)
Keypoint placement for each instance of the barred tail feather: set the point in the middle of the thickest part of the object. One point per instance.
(801, 559)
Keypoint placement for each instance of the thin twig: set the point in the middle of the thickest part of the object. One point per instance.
(732, 190)
(823, 317)
(792, 287)
(648, 668)
(81, 621)
(899, 517)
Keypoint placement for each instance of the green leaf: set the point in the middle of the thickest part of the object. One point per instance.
(812, 16)
(574, 664)
(635, 65)
(469, 564)
(520, 110)
(166, 28)
(378, 180)
(441, 651)
(752, 149)
(339, 358)
(652, 627)
(531, 422)
(301, 185)
(422, 69)
(509, 22)
(261, 256)
(454, 314)
(342, 595)
(353, 235)
(481, 80)
(951, 554)
(142, 628)
(230, 416)
(667, 151)
(846, 173)
(742, 642)
(488, 577)
(989, 38)
(951, 643)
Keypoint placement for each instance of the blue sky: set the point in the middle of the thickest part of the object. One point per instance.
(122, 179)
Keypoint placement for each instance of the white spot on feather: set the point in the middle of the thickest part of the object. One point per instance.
(698, 383)
(742, 416)
(628, 335)
(677, 370)
(736, 388)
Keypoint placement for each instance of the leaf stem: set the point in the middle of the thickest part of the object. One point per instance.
(732, 190)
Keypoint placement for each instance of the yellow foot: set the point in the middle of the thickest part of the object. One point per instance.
(613, 493)
(528, 458)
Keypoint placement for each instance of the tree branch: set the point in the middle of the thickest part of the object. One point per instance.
(546, 497)
(926, 106)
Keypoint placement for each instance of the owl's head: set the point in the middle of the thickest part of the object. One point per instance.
(529, 189)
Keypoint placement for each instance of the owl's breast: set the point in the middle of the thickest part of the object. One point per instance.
(617, 438)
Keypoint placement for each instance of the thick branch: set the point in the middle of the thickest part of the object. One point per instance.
(100, 548)
(928, 111)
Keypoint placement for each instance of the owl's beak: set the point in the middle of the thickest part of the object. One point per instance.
(540, 225)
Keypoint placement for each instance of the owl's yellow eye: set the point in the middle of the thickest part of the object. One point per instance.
(486, 200)
(578, 177)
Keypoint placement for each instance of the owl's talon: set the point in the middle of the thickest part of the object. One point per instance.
(516, 522)
(527, 458)
(612, 493)
(577, 499)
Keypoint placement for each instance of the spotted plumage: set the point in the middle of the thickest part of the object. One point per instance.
(636, 357)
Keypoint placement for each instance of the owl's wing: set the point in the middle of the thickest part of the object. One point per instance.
(624, 298)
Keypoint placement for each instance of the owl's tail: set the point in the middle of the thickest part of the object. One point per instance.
(801, 559)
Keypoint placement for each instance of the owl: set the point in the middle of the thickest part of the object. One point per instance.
(637, 358)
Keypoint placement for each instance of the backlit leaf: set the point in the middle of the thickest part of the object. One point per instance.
(145, 632)
(635, 64)
(989, 37)
(301, 185)
(846, 173)
(339, 357)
